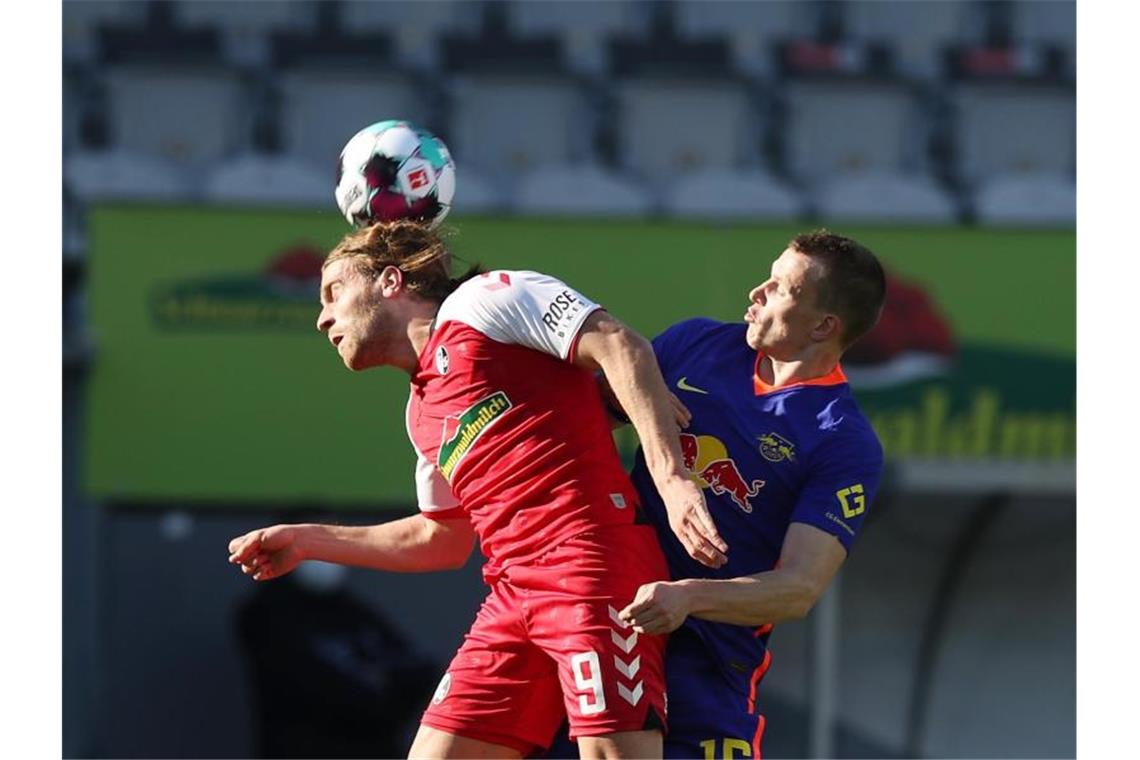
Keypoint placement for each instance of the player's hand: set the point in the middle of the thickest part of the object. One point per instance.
(691, 522)
(657, 608)
(267, 553)
(681, 412)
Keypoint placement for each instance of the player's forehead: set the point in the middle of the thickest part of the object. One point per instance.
(793, 265)
(337, 269)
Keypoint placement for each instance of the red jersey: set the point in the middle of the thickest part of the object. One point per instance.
(506, 428)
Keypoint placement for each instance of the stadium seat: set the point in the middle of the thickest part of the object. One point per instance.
(750, 28)
(669, 126)
(246, 26)
(322, 107)
(885, 197)
(81, 21)
(191, 115)
(847, 126)
(1004, 127)
(1050, 23)
(265, 179)
(414, 27)
(509, 124)
(1029, 199)
(731, 194)
(583, 28)
(915, 31)
(583, 190)
(121, 175)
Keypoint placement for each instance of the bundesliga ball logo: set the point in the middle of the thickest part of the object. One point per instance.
(394, 170)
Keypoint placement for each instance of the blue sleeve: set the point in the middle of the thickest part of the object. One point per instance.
(843, 479)
(671, 344)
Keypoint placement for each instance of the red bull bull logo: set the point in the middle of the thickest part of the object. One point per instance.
(712, 468)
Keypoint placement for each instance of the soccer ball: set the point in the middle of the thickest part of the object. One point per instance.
(394, 170)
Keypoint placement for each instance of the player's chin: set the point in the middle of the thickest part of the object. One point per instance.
(352, 360)
(754, 337)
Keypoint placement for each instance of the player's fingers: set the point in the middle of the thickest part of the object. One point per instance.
(705, 553)
(645, 618)
(707, 528)
(680, 412)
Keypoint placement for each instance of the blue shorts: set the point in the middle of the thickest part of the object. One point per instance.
(709, 717)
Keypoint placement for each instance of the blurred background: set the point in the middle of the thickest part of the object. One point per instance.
(657, 156)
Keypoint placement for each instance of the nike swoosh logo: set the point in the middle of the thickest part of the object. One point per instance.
(686, 387)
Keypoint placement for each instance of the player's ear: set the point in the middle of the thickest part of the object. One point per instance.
(829, 327)
(390, 281)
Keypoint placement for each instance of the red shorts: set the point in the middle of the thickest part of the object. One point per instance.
(547, 644)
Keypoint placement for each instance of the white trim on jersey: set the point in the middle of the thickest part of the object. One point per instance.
(520, 307)
(433, 492)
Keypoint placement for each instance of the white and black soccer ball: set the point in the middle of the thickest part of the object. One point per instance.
(394, 170)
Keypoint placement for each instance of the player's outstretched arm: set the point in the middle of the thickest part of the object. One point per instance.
(809, 560)
(411, 544)
(630, 367)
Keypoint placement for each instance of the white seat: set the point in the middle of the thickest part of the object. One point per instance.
(669, 126)
(584, 28)
(261, 179)
(323, 107)
(847, 126)
(1010, 127)
(505, 125)
(1027, 200)
(1050, 23)
(81, 21)
(191, 115)
(414, 26)
(245, 27)
(916, 31)
(885, 197)
(750, 28)
(729, 193)
(585, 190)
(121, 175)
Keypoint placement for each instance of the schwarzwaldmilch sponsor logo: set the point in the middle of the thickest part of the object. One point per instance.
(284, 296)
(460, 432)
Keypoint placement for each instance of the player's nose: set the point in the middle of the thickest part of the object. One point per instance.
(324, 320)
(757, 294)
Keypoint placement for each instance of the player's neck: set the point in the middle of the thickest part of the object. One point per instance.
(808, 366)
(420, 326)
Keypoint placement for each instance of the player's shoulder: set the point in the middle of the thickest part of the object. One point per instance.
(487, 290)
(846, 431)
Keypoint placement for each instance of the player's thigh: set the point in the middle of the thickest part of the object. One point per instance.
(640, 744)
(708, 716)
(612, 677)
(434, 743)
(500, 688)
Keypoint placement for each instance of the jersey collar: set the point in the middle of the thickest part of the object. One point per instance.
(761, 388)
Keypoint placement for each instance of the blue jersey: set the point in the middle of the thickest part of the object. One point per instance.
(764, 458)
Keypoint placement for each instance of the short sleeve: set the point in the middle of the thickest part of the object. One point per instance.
(524, 308)
(433, 493)
(844, 477)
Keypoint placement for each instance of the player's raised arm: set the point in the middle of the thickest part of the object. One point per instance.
(408, 545)
(617, 416)
(631, 370)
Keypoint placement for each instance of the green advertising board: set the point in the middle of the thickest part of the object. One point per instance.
(210, 383)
